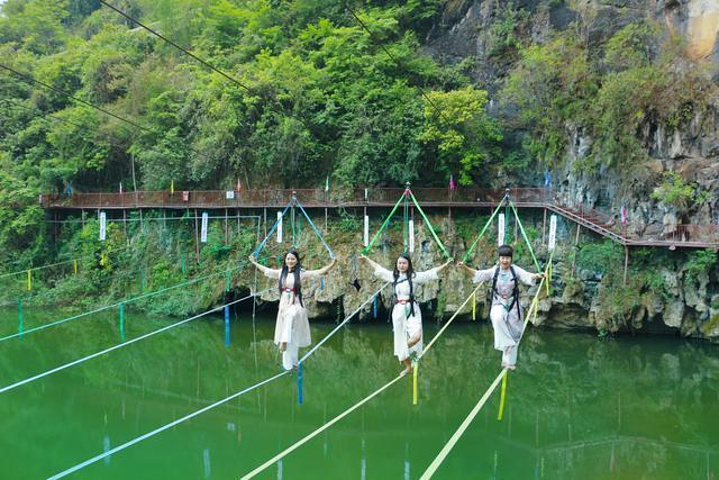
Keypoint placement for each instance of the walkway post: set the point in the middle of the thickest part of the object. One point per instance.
(626, 263)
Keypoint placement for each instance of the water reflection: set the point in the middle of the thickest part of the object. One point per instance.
(578, 407)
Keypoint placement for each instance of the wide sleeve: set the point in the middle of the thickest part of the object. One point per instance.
(272, 273)
(426, 276)
(524, 276)
(309, 274)
(383, 274)
(483, 275)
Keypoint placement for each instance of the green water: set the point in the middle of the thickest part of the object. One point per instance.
(579, 407)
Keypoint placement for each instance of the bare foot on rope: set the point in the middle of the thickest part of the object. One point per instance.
(407, 368)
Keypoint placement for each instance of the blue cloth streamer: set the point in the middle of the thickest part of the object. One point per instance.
(227, 326)
(299, 383)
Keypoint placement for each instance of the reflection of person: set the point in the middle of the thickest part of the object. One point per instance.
(292, 329)
(506, 311)
(406, 315)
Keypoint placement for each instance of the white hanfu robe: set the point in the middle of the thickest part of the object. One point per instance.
(507, 323)
(404, 324)
(292, 326)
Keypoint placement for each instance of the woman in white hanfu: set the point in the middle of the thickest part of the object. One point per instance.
(506, 312)
(292, 329)
(406, 315)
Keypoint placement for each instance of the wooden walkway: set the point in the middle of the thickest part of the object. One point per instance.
(683, 236)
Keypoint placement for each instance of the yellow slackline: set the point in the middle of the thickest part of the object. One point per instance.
(414, 383)
(503, 393)
(474, 307)
(29, 280)
(534, 307)
(460, 431)
(324, 427)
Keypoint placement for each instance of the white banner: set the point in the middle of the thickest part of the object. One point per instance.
(203, 231)
(500, 231)
(103, 226)
(366, 230)
(279, 227)
(229, 195)
(411, 235)
(552, 232)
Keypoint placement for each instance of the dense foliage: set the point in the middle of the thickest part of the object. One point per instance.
(315, 94)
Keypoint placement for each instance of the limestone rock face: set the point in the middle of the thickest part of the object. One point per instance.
(674, 302)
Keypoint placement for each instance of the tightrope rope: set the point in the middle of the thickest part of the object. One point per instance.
(117, 304)
(10, 274)
(473, 413)
(354, 407)
(121, 345)
(163, 428)
(460, 431)
(324, 427)
(198, 412)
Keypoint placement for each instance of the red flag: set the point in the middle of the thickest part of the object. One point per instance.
(451, 183)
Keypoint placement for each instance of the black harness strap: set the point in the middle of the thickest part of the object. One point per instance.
(411, 294)
(515, 291)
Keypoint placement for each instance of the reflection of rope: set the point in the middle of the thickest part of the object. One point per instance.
(121, 345)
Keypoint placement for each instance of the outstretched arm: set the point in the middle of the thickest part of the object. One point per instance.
(445, 265)
(267, 272)
(526, 277)
(323, 270)
(466, 268)
(369, 261)
(378, 270)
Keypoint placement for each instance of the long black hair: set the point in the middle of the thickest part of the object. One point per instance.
(296, 272)
(410, 274)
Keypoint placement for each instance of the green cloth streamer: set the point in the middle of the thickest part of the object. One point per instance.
(19, 317)
(122, 322)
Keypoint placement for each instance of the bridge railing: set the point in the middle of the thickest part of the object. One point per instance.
(318, 197)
